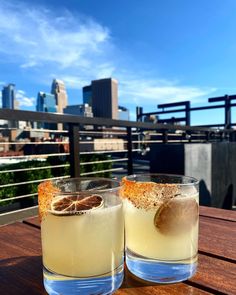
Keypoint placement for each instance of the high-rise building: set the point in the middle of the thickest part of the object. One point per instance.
(8, 97)
(46, 102)
(105, 98)
(83, 110)
(59, 90)
(123, 113)
(87, 95)
(80, 110)
(9, 102)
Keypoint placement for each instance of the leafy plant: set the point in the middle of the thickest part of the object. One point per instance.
(30, 175)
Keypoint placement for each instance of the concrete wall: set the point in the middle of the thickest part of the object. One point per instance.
(213, 164)
(198, 163)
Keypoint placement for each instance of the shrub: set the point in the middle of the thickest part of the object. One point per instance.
(30, 175)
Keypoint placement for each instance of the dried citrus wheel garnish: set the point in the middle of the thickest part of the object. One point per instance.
(75, 204)
(46, 192)
(147, 195)
(177, 216)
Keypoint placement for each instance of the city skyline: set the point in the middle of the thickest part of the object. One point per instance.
(99, 98)
(169, 56)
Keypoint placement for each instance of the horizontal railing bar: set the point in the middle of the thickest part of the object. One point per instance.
(63, 154)
(109, 152)
(33, 181)
(63, 165)
(33, 143)
(109, 142)
(212, 125)
(146, 141)
(53, 178)
(86, 173)
(55, 143)
(183, 110)
(180, 141)
(89, 141)
(102, 132)
(34, 156)
(35, 168)
(35, 130)
(19, 214)
(104, 161)
(179, 134)
(20, 115)
(160, 134)
(18, 197)
(102, 171)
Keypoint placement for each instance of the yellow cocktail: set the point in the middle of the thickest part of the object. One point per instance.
(161, 226)
(82, 232)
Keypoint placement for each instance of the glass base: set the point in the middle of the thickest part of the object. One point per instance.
(159, 271)
(56, 284)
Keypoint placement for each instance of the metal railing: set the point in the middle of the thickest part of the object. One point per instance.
(136, 136)
(185, 107)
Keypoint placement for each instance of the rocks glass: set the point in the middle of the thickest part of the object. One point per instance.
(161, 226)
(82, 231)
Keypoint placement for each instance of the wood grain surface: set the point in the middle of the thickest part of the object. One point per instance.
(21, 261)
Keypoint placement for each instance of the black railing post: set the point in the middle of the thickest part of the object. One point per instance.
(232, 136)
(187, 113)
(221, 136)
(139, 112)
(129, 148)
(207, 136)
(74, 150)
(165, 136)
(227, 112)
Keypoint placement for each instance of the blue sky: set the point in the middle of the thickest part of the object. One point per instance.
(159, 51)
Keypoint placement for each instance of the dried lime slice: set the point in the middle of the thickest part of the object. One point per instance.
(76, 204)
(176, 216)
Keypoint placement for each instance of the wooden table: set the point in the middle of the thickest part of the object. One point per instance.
(21, 261)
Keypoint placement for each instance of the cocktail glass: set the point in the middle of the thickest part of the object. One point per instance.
(161, 226)
(82, 232)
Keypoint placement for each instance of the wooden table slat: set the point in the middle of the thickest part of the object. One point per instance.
(34, 221)
(217, 237)
(19, 239)
(218, 213)
(217, 274)
(21, 275)
(135, 286)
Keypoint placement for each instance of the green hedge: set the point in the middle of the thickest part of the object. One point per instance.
(29, 174)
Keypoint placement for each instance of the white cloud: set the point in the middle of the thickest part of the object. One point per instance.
(24, 100)
(77, 49)
(148, 91)
(29, 64)
(39, 36)
(74, 82)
